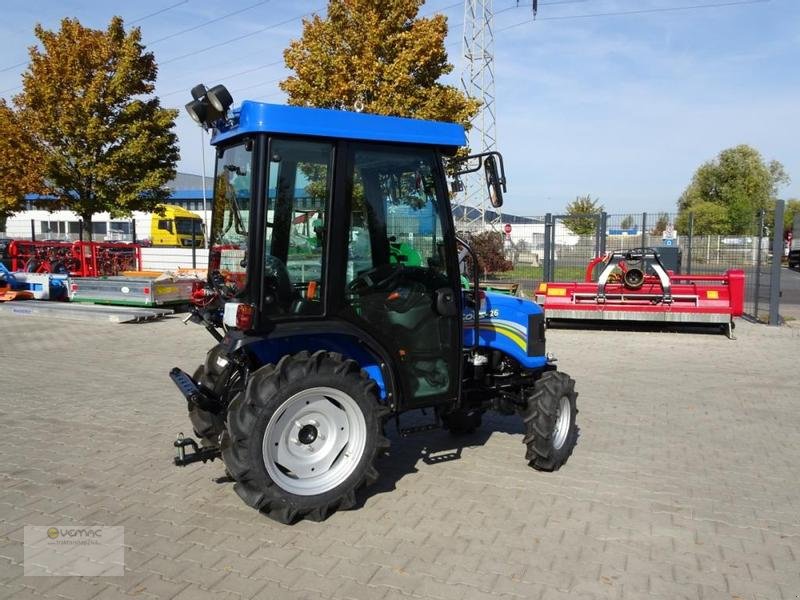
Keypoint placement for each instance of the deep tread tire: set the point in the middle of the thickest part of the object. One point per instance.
(268, 392)
(209, 426)
(541, 416)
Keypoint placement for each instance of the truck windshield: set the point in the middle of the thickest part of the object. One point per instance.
(183, 225)
(231, 211)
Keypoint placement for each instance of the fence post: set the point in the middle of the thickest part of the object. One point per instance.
(775, 272)
(33, 231)
(194, 243)
(644, 230)
(758, 262)
(689, 245)
(133, 231)
(603, 232)
(547, 262)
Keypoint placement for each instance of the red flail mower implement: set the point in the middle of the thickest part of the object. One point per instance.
(77, 259)
(634, 285)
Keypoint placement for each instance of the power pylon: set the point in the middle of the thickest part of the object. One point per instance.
(477, 77)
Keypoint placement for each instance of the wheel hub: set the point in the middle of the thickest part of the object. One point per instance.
(314, 441)
(307, 435)
(563, 422)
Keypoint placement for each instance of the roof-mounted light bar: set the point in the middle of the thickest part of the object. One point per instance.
(209, 106)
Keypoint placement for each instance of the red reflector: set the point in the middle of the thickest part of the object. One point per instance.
(146, 290)
(481, 294)
(244, 316)
(74, 287)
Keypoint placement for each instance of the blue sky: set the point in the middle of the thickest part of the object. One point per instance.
(624, 107)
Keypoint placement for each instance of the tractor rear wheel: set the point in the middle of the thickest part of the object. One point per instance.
(224, 381)
(549, 415)
(304, 436)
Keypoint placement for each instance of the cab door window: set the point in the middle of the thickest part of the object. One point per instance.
(396, 264)
(300, 175)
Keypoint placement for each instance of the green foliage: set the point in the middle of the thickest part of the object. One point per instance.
(627, 222)
(488, 246)
(380, 54)
(577, 221)
(105, 141)
(709, 219)
(791, 209)
(730, 190)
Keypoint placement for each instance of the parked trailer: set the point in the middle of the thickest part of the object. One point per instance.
(645, 292)
(133, 291)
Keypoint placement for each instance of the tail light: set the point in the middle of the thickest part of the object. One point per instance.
(244, 316)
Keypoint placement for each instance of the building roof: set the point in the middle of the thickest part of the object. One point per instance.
(258, 117)
(190, 181)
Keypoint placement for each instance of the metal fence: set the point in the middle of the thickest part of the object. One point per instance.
(559, 247)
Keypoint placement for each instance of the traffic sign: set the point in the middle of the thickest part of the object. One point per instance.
(507, 228)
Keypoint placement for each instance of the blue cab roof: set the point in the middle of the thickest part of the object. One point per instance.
(258, 117)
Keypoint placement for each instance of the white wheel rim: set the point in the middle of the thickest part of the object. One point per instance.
(314, 441)
(563, 419)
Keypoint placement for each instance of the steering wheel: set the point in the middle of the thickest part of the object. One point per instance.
(373, 279)
(277, 282)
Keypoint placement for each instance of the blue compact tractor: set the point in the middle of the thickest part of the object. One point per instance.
(335, 295)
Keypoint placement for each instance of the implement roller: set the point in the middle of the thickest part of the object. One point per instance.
(634, 285)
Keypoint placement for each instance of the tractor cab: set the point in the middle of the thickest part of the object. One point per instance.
(341, 222)
(335, 295)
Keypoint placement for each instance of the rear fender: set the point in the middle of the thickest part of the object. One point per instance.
(291, 338)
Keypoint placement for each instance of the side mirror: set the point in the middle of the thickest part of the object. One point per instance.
(494, 182)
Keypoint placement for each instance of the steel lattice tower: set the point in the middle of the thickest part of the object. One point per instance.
(478, 80)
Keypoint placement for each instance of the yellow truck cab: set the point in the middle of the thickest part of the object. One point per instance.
(174, 227)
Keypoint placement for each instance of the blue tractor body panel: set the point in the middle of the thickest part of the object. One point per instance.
(272, 349)
(258, 117)
(504, 325)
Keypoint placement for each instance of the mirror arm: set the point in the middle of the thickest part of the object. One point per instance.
(480, 156)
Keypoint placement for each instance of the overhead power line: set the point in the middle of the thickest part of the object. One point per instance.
(641, 11)
(139, 20)
(232, 40)
(159, 12)
(209, 22)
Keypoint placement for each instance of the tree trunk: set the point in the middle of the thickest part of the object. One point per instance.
(87, 226)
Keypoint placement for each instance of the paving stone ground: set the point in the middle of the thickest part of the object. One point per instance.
(685, 482)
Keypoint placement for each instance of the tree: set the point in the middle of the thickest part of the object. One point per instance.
(740, 183)
(791, 209)
(379, 54)
(20, 167)
(627, 222)
(661, 224)
(582, 211)
(488, 246)
(106, 143)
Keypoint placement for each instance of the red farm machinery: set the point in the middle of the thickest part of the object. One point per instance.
(634, 285)
(77, 259)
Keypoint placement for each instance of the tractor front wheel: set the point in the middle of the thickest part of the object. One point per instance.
(549, 415)
(304, 436)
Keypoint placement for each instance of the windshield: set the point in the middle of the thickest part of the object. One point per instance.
(183, 225)
(231, 217)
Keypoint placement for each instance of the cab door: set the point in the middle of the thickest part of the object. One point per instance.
(401, 272)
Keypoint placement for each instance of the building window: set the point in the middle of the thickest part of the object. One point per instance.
(120, 227)
(99, 228)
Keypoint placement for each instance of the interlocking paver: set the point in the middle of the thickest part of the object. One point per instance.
(683, 485)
